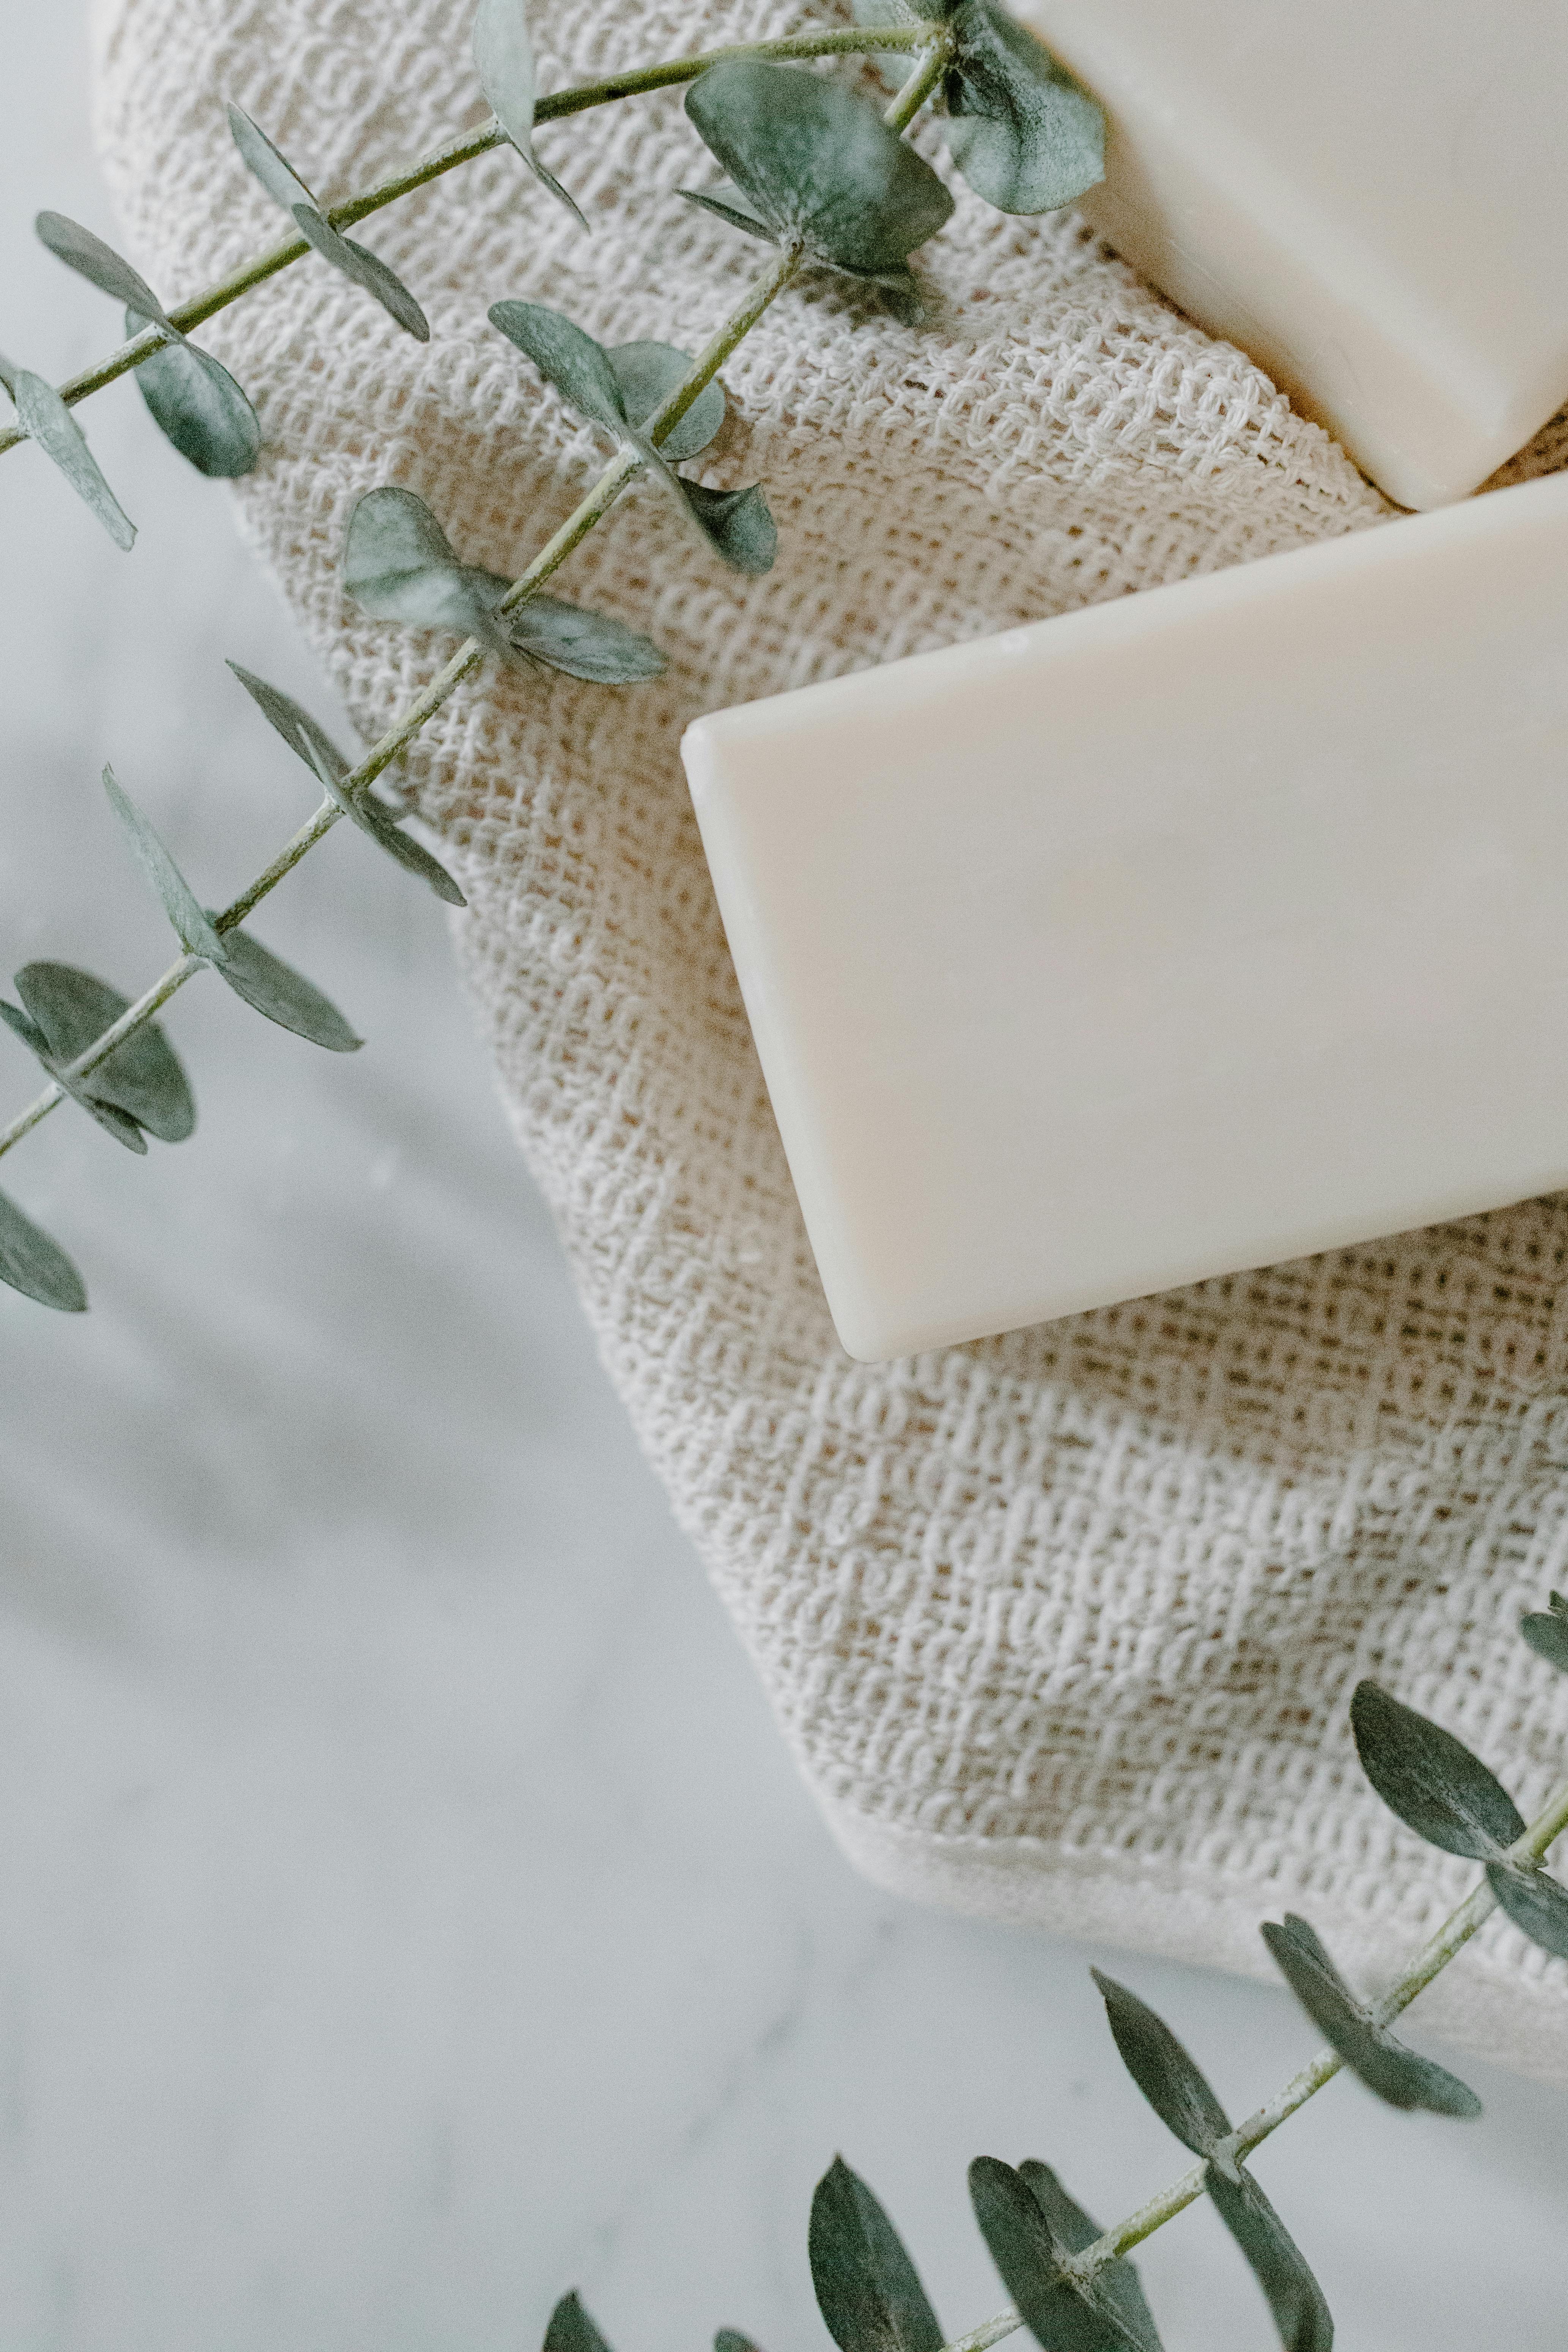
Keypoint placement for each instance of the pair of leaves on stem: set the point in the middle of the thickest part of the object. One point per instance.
(1444, 1792)
(313, 744)
(1024, 133)
(271, 167)
(1181, 2095)
(622, 392)
(814, 168)
(192, 397)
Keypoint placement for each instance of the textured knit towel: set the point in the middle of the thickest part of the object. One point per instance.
(1062, 1626)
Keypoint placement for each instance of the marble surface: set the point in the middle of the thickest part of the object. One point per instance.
(409, 1909)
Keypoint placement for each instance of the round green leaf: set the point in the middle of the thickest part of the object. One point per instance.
(363, 268)
(143, 1078)
(736, 524)
(1536, 1904)
(267, 162)
(36, 1265)
(1024, 133)
(580, 369)
(1277, 2263)
(1061, 2316)
(1117, 2283)
(819, 164)
(1169, 2078)
(44, 417)
(195, 404)
(398, 563)
(1546, 1631)
(868, 2289)
(648, 374)
(274, 987)
(583, 643)
(80, 250)
(1437, 1788)
(1369, 2050)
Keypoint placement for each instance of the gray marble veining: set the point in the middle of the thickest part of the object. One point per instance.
(409, 1910)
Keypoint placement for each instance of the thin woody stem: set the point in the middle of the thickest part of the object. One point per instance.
(847, 41)
(935, 47)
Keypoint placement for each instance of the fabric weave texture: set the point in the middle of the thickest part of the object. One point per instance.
(1061, 1627)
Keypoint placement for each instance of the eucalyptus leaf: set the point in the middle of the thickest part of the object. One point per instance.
(1546, 1631)
(1167, 2075)
(868, 2289)
(503, 56)
(178, 900)
(1294, 2297)
(363, 268)
(387, 834)
(1437, 1788)
(729, 207)
(566, 356)
(305, 739)
(44, 417)
(570, 2329)
(274, 987)
(267, 162)
(648, 374)
(1396, 2074)
(1535, 1902)
(583, 643)
(818, 163)
(27, 1029)
(36, 1265)
(1024, 133)
(142, 1079)
(731, 2339)
(80, 250)
(1061, 2315)
(399, 565)
(195, 404)
(736, 524)
(117, 1123)
(1117, 2283)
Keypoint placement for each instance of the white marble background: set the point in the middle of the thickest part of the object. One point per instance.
(407, 1908)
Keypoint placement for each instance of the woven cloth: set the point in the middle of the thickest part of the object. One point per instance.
(1061, 1627)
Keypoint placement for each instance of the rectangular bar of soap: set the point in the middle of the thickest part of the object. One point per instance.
(1205, 928)
(1368, 195)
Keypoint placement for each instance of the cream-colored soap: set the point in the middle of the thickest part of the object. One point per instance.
(1200, 929)
(1368, 195)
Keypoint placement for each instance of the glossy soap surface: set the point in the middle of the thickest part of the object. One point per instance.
(1205, 929)
(1367, 195)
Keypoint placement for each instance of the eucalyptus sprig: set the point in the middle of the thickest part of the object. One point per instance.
(1072, 2285)
(828, 181)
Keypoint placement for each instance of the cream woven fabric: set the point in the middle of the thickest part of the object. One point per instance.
(1061, 1627)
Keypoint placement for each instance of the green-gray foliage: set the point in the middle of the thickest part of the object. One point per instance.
(816, 169)
(1164, 2070)
(274, 987)
(44, 417)
(503, 59)
(1546, 1631)
(1062, 2313)
(399, 565)
(1118, 2283)
(312, 744)
(271, 167)
(607, 387)
(868, 2289)
(141, 1085)
(1535, 1902)
(1276, 2261)
(1369, 2049)
(192, 927)
(570, 2329)
(36, 1265)
(1437, 1788)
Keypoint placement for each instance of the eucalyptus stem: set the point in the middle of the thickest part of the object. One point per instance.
(1430, 1961)
(935, 45)
(846, 41)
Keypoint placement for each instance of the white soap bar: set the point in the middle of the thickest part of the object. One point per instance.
(1207, 927)
(1368, 195)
